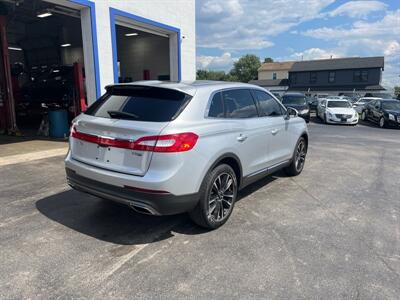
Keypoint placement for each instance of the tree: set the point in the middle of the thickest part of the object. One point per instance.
(246, 68)
(268, 60)
(214, 75)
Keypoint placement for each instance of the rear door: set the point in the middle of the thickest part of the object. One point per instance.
(278, 129)
(106, 134)
(376, 111)
(250, 138)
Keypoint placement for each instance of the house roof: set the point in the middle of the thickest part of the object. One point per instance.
(276, 66)
(338, 64)
(270, 82)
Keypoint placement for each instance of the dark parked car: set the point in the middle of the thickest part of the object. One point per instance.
(312, 102)
(299, 102)
(386, 112)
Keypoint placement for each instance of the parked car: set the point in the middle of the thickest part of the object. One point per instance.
(277, 96)
(320, 97)
(299, 102)
(384, 112)
(168, 148)
(312, 103)
(360, 103)
(337, 111)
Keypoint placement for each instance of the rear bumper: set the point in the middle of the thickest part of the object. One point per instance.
(143, 202)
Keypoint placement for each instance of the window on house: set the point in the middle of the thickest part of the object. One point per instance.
(274, 76)
(313, 77)
(332, 77)
(364, 76)
(293, 79)
(360, 76)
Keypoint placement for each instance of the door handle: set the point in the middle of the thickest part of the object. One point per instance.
(274, 131)
(241, 138)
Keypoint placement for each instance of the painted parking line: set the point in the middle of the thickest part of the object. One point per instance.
(27, 157)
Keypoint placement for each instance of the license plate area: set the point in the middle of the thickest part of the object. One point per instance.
(111, 158)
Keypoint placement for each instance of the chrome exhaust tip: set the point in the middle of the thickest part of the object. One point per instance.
(143, 209)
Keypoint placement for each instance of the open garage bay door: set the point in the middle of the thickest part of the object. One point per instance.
(48, 50)
(144, 50)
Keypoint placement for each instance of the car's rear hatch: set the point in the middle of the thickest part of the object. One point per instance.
(105, 135)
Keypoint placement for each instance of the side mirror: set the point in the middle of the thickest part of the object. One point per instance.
(291, 112)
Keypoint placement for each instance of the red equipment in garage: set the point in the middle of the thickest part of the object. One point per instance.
(7, 106)
(80, 99)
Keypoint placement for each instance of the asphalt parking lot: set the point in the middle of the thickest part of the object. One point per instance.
(332, 232)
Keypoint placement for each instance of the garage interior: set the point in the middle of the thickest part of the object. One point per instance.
(142, 55)
(42, 68)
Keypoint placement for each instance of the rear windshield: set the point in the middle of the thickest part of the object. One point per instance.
(294, 99)
(338, 104)
(139, 103)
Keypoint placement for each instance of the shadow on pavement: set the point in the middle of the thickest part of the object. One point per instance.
(117, 223)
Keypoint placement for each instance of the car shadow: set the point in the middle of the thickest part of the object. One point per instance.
(117, 223)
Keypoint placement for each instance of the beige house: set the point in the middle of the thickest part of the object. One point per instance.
(274, 76)
(275, 70)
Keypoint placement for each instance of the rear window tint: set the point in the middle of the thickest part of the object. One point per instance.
(239, 104)
(216, 107)
(150, 104)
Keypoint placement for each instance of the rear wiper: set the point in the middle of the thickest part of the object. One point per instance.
(116, 113)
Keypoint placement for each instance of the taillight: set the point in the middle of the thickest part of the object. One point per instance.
(179, 142)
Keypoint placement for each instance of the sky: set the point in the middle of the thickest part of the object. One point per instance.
(298, 29)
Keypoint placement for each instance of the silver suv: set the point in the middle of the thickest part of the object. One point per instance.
(167, 148)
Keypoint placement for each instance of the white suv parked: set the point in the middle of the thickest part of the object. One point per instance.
(167, 148)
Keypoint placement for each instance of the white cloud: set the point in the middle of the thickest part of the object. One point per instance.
(380, 38)
(358, 9)
(315, 53)
(220, 63)
(247, 24)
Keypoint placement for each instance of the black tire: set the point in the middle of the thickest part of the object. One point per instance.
(296, 167)
(325, 121)
(201, 214)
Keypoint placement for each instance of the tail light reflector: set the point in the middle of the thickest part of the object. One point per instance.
(179, 142)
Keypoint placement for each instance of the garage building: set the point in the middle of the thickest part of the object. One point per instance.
(58, 55)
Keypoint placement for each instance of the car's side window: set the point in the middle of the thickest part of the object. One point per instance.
(377, 104)
(216, 107)
(239, 103)
(268, 105)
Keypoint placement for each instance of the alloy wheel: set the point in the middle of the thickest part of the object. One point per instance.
(300, 156)
(382, 122)
(221, 197)
(363, 116)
